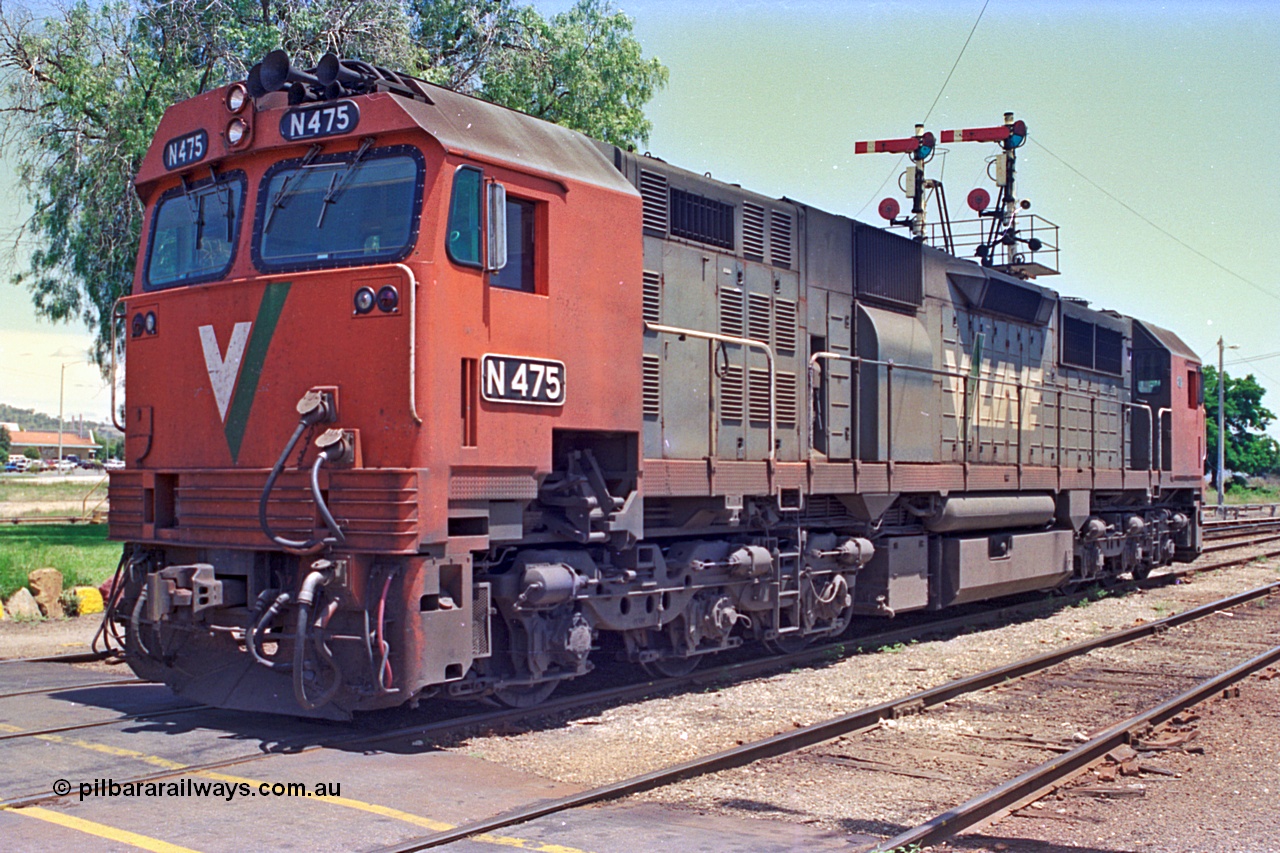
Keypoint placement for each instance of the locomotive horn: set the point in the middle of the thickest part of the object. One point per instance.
(254, 81)
(331, 70)
(276, 71)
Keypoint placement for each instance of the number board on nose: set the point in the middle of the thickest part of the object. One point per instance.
(185, 150)
(515, 379)
(329, 119)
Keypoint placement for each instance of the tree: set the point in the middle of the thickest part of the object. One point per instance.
(1248, 449)
(84, 90)
(5, 443)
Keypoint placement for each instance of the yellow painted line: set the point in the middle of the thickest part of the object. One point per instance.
(345, 802)
(101, 830)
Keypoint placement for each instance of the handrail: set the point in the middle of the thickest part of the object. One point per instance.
(112, 322)
(742, 342)
(950, 374)
(413, 342)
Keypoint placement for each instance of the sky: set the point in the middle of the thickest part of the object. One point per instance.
(1149, 126)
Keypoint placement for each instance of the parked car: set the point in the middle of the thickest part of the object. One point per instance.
(113, 464)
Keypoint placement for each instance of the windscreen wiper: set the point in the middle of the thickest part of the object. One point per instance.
(224, 195)
(285, 190)
(339, 179)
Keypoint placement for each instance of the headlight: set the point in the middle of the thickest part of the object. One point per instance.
(236, 131)
(364, 300)
(237, 97)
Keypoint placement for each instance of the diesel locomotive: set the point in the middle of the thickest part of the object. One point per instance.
(427, 398)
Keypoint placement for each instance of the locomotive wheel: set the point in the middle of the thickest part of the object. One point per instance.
(521, 696)
(672, 667)
(1142, 572)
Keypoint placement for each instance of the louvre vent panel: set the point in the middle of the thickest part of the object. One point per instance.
(652, 297)
(784, 318)
(780, 238)
(753, 231)
(696, 217)
(758, 394)
(787, 403)
(731, 312)
(652, 386)
(758, 317)
(653, 190)
(731, 394)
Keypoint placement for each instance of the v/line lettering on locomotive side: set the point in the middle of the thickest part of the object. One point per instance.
(994, 392)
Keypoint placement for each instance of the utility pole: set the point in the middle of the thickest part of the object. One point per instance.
(62, 386)
(1222, 435)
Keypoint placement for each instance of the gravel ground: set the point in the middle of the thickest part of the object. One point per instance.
(620, 742)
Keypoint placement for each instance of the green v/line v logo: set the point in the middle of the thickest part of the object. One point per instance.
(234, 375)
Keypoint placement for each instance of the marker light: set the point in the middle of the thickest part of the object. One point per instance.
(364, 300)
(237, 97)
(388, 299)
(236, 131)
(150, 322)
(888, 209)
(137, 327)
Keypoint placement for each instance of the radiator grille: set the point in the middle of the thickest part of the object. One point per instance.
(758, 317)
(480, 636)
(753, 231)
(787, 403)
(653, 189)
(696, 217)
(731, 311)
(784, 319)
(780, 238)
(731, 394)
(652, 386)
(652, 297)
(758, 391)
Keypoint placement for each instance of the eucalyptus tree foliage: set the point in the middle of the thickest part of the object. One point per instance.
(82, 91)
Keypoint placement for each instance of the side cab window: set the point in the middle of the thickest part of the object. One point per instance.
(462, 240)
(489, 230)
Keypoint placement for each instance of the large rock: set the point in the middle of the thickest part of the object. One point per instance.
(22, 606)
(46, 585)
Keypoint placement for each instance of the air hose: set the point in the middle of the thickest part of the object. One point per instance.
(314, 409)
(319, 575)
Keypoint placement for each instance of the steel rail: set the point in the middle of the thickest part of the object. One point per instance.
(124, 718)
(826, 730)
(1040, 780)
(841, 647)
(81, 686)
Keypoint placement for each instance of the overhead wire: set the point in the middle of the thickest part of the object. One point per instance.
(937, 98)
(1258, 287)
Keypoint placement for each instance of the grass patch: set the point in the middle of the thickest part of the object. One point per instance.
(24, 487)
(80, 551)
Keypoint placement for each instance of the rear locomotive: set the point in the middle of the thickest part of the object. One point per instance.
(429, 398)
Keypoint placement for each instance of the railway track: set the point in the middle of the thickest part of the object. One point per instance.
(857, 721)
(462, 718)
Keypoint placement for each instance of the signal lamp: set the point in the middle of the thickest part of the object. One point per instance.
(137, 327)
(1034, 244)
(236, 131)
(388, 299)
(1017, 135)
(150, 322)
(364, 300)
(978, 199)
(925, 148)
(888, 209)
(237, 97)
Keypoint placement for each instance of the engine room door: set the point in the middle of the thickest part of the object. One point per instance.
(836, 383)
